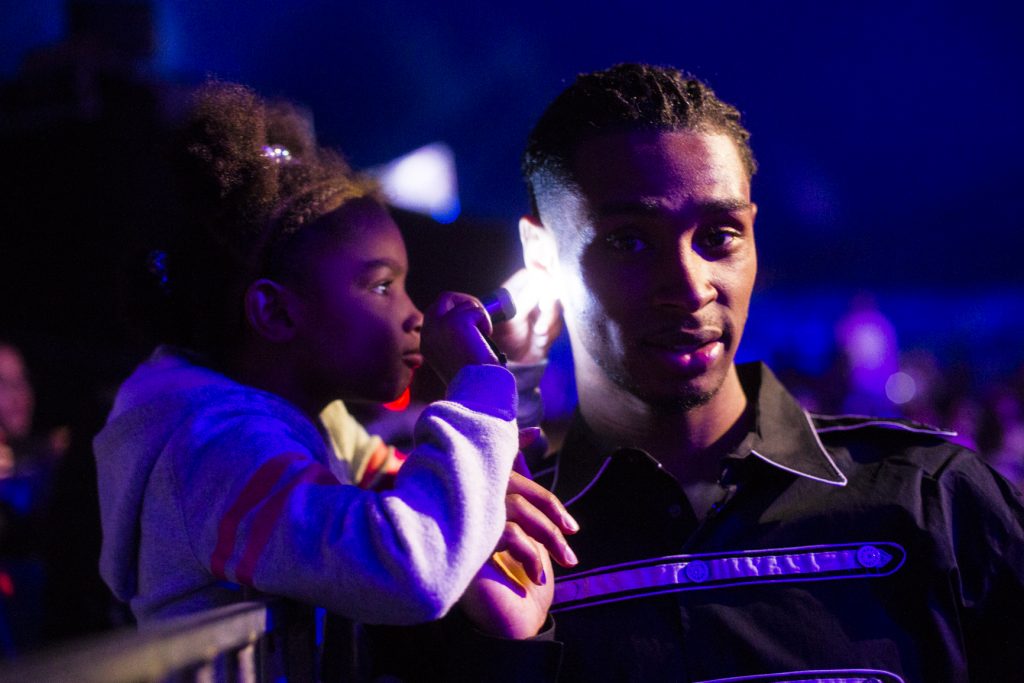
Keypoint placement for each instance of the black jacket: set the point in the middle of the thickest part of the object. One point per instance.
(838, 548)
(834, 549)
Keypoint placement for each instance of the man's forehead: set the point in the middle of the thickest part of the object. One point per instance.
(654, 206)
(659, 170)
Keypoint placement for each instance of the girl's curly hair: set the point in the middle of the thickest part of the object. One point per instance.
(251, 178)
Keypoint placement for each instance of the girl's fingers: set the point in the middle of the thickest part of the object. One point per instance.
(524, 550)
(539, 527)
(545, 501)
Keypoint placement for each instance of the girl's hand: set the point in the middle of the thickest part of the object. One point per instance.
(511, 594)
(453, 335)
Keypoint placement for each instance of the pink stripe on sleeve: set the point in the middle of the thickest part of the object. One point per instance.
(255, 490)
(268, 516)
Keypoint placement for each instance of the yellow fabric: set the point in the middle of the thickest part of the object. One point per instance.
(353, 448)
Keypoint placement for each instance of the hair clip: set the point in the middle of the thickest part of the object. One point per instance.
(279, 154)
(156, 263)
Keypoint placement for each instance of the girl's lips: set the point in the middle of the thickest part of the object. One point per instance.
(413, 360)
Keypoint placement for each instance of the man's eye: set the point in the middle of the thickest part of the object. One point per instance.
(625, 242)
(719, 238)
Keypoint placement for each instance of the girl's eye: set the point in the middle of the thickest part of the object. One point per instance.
(381, 287)
(625, 242)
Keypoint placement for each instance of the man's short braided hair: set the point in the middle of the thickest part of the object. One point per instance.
(624, 97)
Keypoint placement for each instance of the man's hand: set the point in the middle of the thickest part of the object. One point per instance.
(528, 336)
(502, 605)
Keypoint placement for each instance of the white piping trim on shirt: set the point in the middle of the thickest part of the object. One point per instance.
(889, 425)
(586, 488)
(843, 480)
(558, 469)
(828, 456)
(544, 472)
(819, 676)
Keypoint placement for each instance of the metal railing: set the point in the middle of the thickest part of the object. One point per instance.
(248, 642)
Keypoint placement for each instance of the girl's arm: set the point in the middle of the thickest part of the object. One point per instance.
(260, 511)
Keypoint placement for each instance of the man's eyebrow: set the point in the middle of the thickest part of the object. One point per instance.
(726, 205)
(634, 207)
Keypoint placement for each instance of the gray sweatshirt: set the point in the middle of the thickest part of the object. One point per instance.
(207, 486)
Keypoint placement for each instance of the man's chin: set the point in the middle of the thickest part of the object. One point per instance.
(677, 394)
(683, 401)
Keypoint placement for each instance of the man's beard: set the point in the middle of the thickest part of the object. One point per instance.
(683, 400)
(686, 402)
(666, 400)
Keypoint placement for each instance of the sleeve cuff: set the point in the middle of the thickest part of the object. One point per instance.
(489, 389)
(451, 649)
(501, 660)
(531, 407)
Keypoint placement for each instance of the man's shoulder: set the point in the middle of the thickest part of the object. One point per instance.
(863, 439)
(830, 424)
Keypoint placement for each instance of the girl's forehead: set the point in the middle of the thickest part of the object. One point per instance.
(358, 237)
(359, 220)
(356, 221)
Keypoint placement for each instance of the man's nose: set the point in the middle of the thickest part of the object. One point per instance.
(686, 281)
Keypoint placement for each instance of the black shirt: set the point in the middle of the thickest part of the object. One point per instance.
(836, 548)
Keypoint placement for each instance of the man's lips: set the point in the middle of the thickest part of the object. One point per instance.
(689, 351)
(682, 341)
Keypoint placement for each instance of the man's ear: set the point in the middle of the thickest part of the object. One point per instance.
(269, 309)
(540, 252)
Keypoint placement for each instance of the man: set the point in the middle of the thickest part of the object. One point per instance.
(725, 533)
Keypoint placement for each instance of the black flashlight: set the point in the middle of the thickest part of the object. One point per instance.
(499, 307)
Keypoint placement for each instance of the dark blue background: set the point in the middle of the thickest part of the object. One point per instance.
(888, 133)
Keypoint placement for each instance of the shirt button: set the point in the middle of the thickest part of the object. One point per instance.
(869, 556)
(675, 510)
(697, 571)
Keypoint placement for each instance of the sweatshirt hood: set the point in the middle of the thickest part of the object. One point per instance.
(151, 404)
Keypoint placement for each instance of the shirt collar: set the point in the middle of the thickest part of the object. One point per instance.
(783, 434)
(783, 437)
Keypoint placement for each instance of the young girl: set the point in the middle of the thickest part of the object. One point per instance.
(227, 462)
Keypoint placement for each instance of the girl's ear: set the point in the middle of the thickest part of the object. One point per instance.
(269, 310)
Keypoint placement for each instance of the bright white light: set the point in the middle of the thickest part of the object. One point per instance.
(900, 388)
(423, 181)
(531, 289)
